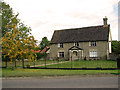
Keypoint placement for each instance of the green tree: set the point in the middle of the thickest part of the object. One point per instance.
(44, 43)
(116, 47)
(17, 40)
(24, 30)
(15, 45)
(7, 17)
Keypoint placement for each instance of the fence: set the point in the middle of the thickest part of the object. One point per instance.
(65, 64)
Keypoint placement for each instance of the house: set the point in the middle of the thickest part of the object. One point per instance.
(89, 43)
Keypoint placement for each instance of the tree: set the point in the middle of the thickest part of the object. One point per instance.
(116, 47)
(16, 44)
(17, 41)
(24, 30)
(7, 17)
(44, 43)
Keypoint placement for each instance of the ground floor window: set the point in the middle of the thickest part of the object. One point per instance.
(93, 53)
(61, 54)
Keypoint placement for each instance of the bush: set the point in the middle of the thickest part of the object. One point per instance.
(41, 55)
(85, 58)
(28, 65)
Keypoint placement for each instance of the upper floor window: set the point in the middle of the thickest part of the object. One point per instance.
(93, 43)
(76, 44)
(60, 45)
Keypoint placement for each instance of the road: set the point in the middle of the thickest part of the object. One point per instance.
(74, 82)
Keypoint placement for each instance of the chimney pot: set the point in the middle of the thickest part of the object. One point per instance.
(105, 20)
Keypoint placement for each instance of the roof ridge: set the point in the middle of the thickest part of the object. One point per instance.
(82, 27)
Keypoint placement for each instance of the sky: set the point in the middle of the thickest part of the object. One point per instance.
(45, 16)
(118, 21)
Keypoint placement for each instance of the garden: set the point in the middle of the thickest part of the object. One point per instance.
(27, 72)
(64, 64)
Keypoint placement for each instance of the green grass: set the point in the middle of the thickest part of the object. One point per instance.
(73, 64)
(38, 62)
(52, 72)
(19, 72)
(87, 64)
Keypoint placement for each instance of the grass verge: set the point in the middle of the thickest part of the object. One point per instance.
(52, 72)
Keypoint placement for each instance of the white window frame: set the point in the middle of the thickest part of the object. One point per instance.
(93, 54)
(60, 45)
(93, 43)
(76, 44)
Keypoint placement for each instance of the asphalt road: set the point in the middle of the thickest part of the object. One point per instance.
(74, 82)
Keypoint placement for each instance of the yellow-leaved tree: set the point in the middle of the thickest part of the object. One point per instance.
(17, 43)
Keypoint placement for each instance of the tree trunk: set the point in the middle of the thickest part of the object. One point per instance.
(6, 63)
(34, 63)
(71, 62)
(23, 63)
(12, 64)
(45, 63)
(118, 62)
(15, 63)
(58, 62)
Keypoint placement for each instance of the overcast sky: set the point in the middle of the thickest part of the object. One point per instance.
(45, 16)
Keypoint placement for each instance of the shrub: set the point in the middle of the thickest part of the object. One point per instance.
(28, 65)
(41, 55)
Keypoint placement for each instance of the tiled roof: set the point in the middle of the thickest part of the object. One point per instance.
(45, 49)
(36, 51)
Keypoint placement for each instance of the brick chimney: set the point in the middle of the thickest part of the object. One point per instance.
(105, 20)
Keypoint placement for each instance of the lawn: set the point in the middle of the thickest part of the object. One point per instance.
(85, 64)
(69, 64)
(38, 62)
(19, 72)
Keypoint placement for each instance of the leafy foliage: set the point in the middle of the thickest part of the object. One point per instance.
(14, 44)
(41, 55)
(44, 43)
(116, 47)
(7, 17)
(17, 41)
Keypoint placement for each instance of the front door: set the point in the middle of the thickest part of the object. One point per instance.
(75, 55)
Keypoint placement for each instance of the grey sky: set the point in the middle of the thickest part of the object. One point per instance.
(45, 16)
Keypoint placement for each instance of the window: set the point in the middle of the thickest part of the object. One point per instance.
(60, 45)
(61, 54)
(93, 53)
(76, 44)
(93, 43)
